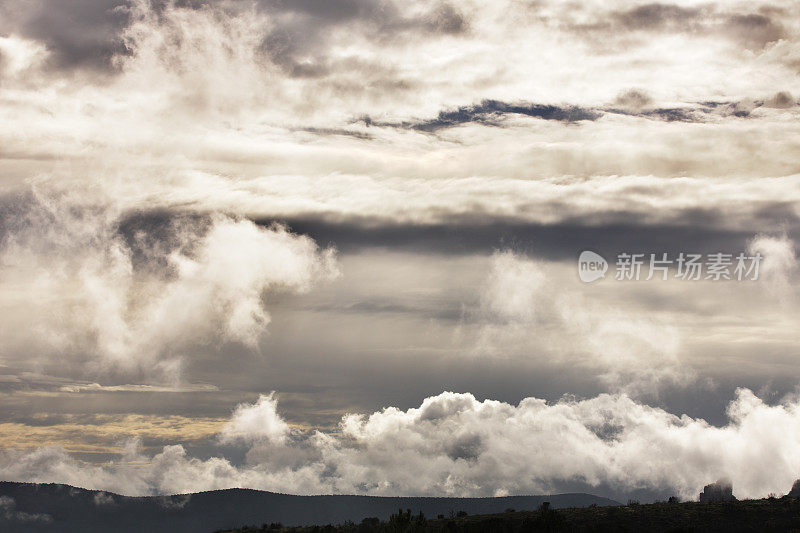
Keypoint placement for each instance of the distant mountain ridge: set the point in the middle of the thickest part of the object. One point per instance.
(52, 507)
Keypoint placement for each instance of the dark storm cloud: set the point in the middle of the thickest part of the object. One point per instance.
(659, 17)
(298, 42)
(664, 114)
(300, 30)
(751, 29)
(491, 113)
(337, 131)
(87, 33)
(79, 33)
(632, 103)
(151, 236)
(693, 231)
(382, 15)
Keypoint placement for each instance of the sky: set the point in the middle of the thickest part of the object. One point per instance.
(331, 246)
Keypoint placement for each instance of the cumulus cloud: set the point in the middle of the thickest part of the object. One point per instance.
(259, 421)
(139, 299)
(779, 264)
(454, 444)
(528, 310)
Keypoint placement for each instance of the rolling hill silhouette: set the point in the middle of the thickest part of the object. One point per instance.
(54, 507)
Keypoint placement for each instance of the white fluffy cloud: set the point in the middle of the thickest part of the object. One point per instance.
(455, 444)
(256, 422)
(531, 309)
(779, 263)
(73, 284)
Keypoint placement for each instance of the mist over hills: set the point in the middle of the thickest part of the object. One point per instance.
(54, 507)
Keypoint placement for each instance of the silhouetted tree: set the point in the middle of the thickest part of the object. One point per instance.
(370, 525)
(546, 520)
(400, 522)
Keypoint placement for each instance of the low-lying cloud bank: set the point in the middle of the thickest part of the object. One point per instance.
(454, 444)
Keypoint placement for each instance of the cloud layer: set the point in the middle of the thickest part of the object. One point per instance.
(175, 174)
(454, 444)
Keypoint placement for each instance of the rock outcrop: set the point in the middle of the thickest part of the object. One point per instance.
(795, 492)
(721, 491)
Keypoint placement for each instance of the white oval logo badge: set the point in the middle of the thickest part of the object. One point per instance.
(591, 266)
